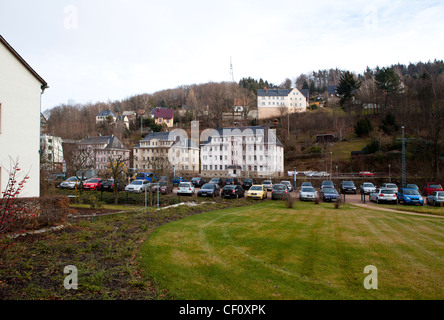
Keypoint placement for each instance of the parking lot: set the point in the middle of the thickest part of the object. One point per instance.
(348, 198)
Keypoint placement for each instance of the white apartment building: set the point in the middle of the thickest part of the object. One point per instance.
(166, 151)
(243, 152)
(278, 102)
(51, 149)
(21, 89)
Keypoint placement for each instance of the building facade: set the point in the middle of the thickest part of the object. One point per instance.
(243, 152)
(51, 150)
(166, 152)
(278, 102)
(99, 151)
(21, 89)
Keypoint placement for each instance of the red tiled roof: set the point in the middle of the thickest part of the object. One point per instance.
(163, 113)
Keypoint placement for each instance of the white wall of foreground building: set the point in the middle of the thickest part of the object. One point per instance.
(20, 94)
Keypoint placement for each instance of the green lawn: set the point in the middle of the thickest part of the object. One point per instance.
(268, 251)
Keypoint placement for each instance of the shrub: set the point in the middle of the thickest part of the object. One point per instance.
(12, 215)
(290, 202)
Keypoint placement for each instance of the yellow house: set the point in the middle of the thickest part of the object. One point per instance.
(164, 116)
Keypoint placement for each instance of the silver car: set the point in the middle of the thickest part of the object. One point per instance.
(288, 184)
(367, 188)
(268, 184)
(435, 198)
(138, 186)
(390, 186)
(70, 183)
(308, 193)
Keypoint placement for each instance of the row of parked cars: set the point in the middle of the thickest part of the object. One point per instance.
(432, 193)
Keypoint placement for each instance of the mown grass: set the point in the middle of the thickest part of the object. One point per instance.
(439, 211)
(268, 251)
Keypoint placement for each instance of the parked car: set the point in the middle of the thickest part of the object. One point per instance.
(218, 181)
(138, 186)
(430, 187)
(268, 184)
(209, 190)
(367, 188)
(70, 183)
(198, 182)
(288, 184)
(320, 174)
(366, 174)
(348, 186)
(56, 179)
(390, 186)
(247, 183)
(92, 184)
(412, 186)
(279, 191)
(329, 194)
(306, 184)
(383, 195)
(163, 178)
(409, 196)
(107, 185)
(257, 191)
(327, 184)
(178, 180)
(435, 198)
(164, 187)
(232, 181)
(308, 193)
(185, 188)
(232, 191)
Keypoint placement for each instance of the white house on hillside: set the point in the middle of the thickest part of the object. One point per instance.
(278, 102)
(20, 95)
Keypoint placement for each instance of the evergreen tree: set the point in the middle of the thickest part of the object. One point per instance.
(347, 88)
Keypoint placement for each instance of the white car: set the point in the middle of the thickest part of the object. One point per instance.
(185, 188)
(288, 184)
(390, 186)
(70, 183)
(268, 184)
(138, 186)
(367, 188)
(308, 193)
(384, 195)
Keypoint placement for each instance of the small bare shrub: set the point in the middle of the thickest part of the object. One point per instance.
(289, 202)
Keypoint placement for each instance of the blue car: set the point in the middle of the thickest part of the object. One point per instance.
(409, 196)
(329, 194)
(178, 180)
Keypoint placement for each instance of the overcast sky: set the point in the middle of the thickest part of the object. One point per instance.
(101, 50)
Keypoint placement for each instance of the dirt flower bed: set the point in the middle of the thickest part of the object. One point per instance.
(103, 251)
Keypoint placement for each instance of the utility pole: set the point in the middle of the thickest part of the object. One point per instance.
(403, 158)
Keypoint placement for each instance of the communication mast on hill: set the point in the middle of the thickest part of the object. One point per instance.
(231, 71)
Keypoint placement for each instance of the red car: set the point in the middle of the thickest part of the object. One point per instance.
(366, 174)
(92, 184)
(430, 187)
